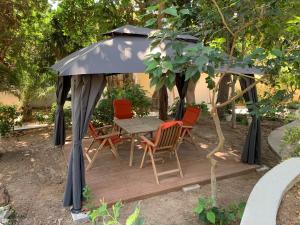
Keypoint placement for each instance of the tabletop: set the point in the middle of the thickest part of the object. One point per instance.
(139, 125)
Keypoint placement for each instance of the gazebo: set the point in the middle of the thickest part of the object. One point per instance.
(83, 72)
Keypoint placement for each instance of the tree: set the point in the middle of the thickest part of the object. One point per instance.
(192, 61)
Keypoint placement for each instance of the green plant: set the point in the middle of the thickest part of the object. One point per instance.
(103, 113)
(292, 137)
(8, 116)
(41, 117)
(270, 105)
(173, 108)
(109, 217)
(242, 119)
(293, 105)
(67, 114)
(210, 214)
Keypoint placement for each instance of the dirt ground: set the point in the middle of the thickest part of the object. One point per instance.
(34, 173)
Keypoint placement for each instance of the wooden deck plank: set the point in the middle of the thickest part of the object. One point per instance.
(114, 180)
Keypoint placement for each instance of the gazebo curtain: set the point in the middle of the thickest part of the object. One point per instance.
(252, 147)
(86, 91)
(182, 87)
(62, 90)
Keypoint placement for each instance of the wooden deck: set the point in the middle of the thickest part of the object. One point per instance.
(114, 180)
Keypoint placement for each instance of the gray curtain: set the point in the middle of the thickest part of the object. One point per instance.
(86, 91)
(252, 147)
(62, 89)
(182, 87)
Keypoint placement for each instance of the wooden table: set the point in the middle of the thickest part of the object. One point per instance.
(136, 126)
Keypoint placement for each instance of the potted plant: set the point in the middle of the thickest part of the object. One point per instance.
(228, 113)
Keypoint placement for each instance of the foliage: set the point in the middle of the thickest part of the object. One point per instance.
(67, 115)
(41, 117)
(203, 106)
(110, 217)
(293, 105)
(292, 137)
(242, 119)
(271, 105)
(8, 116)
(141, 104)
(210, 214)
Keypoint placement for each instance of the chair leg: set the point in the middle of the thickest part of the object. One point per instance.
(154, 166)
(144, 155)
(87, 151)
(95, 156)
(178, 164)
(192, 139)
(114, 149)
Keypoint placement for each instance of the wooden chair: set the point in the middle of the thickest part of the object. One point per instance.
(189, 120)
(122, 109)
(167, 139)
(105, 141)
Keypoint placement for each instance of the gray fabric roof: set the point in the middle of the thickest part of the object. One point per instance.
(120, 54)
(144, 32)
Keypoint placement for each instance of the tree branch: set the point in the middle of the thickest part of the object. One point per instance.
(240, 94)
(223, 18)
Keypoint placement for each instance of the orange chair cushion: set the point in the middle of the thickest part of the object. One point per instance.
(114, 139)
(166, 125)
(122, 109)
(169, 124)
(191, 116)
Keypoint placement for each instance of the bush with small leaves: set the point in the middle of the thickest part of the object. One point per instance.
(104, 113)
(8, 116)
(67, 114)
(104, 215)
(210, 214)
(292, 137)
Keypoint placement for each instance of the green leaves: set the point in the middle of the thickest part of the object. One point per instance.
(133, 219)
(171, 11)
(201, 61)
(150, 22)
(211, 217)
(210, 214)
(191, 71)
(277, 52)
(184, 11)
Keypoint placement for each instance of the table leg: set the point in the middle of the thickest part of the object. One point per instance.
(131, 149)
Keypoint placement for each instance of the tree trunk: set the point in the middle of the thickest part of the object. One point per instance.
(223, 94)
(163, 93)
(190, 95)
(163, 103)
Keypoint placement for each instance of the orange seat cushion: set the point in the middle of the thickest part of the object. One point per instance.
(191, 116)
(122, 109)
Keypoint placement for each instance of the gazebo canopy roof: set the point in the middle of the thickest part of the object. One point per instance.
(124, 52)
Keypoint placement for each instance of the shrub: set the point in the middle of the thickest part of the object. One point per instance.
(67, 114)
(103, 113)
(210, 214)
(8, 116)
(292, 137)
(271, 105)
(293, 105)
(173, 108)
(105, 216)
(41, 117)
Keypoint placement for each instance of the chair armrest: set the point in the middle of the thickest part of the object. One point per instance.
(147, 140)
(107, 135)
(104, 127)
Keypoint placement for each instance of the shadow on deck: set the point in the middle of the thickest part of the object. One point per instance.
(114, 180)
